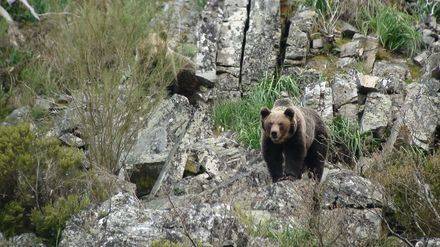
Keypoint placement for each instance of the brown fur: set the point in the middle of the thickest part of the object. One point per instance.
(295, 135)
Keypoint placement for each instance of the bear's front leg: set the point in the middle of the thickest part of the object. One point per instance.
(273, 155)
(295, 154)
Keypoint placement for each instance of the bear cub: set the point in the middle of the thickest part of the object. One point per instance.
(293, 135)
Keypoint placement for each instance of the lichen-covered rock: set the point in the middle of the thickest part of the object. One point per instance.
(351, 227)
(377, 112)
(232, 31)
(297, 46)
(262, 42)
(18, 115)
(207, 38)
(421, 114)
(25, 240)
(428, 242)
(166, 124)
(344, 90)
(368, 83)
(319, 97)
(304, 19)
(344, 62)
(391, 70)
(174, 167)
(71, 140)
(352, 49)
(122, 220)
(343, 188)
(349, 111)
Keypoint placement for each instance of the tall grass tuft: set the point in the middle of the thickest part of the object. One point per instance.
(395, 29)
(347, 141)
(94, 58)
(243, 116)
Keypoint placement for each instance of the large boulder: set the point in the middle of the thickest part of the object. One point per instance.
(344, 90)
(377, 113)
(392, 70)
(165, 126)
(122, 220)
(421, 115)
(343, 188)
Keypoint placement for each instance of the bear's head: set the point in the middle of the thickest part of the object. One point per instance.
(278, 125)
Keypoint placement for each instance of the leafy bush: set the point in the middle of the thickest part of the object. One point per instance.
(347, 141)
(411, 180)
(51, 220)
(243, 115)
(40, 183)
(395, 29)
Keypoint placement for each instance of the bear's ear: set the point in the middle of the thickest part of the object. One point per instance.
(289, 113)
(264, 112)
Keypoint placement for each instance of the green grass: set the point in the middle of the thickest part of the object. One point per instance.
(347, 141)
(396, 30)
(243, 116)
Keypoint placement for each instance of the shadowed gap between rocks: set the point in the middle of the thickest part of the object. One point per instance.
(285, 13)
(243, 44)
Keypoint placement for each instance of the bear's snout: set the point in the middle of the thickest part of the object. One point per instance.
(274, 134)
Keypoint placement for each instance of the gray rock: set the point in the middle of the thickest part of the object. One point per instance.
(371, 45)
(319, 97)
(18, 115)
(344, 62)
(262, 41)
(344, 90)
(67, 121)
(165, 125)
(122, 220)
(368, 82)
(207, 38)
(349, 111)
(421, 58)
(421, 114)
(71, 140)
(174, 167)
(352, 49)
(391, 70)
(428, 37)
(347, 30)
(25, 240)
(428, 242)
(343, 188)
(377, 112)
(351, 227)
(43, 103)
(317, 43)
(390, 85)
(304, 19)
(431, 73)
(64, 99)
(230, 47)
(297, 46)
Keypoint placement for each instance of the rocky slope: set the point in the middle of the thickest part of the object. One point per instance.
(207, 188)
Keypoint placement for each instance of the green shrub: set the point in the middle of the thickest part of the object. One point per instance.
(347, 143)
(243, 115)
(40, 183)
(396, 30)
(51, 220)
(406, 175)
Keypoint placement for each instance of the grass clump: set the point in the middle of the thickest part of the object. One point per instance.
(243, 116)
(411, 179)
(347, 141)
(395, 29)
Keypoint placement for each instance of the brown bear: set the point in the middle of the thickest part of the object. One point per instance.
(296, 135)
